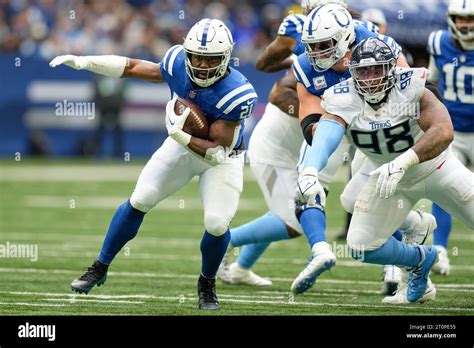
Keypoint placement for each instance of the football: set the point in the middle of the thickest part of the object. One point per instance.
(196, 124)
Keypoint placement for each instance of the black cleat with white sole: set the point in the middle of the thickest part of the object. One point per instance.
(207, 294)
(94, 275)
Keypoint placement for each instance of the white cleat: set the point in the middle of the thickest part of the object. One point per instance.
(400, 296)
(236, 274)
(442, 266)
(416, 235)
(322, 262)
(392, 277)
(223, 271)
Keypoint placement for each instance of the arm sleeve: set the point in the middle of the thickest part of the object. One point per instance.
(328, 135)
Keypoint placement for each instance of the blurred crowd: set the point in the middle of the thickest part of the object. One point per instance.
(138, 28)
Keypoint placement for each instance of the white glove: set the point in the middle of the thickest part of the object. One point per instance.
(75, 62)
(308, 187)
(175, 123)
(391, 173)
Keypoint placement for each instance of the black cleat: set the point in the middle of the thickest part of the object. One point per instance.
(207, 294)
(94, 275)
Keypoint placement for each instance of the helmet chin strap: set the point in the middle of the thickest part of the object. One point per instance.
(466, 45)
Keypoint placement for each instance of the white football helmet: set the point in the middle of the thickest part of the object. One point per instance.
(328, 32)
(464, 33)
(310, 4)
(211, 38)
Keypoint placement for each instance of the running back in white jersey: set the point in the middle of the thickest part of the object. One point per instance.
(385, 133)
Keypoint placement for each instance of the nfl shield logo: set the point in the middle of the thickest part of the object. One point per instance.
(319, 82)
(192, 94)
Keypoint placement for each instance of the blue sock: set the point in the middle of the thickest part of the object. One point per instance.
(212, 250)
(392, 252)
(266, 228)
(444, 222)
(313, 222)
(123, 227)
(398, 235)
(250, 254)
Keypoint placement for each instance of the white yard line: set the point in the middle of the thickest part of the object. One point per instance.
(246, 299)
(33, 304)
(417, 307)
(75, 299)
(112, 202)
(106, 297)
(195, 276)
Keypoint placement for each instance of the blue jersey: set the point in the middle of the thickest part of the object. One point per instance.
(232, 98)
(456, 78)
(292, 26)
(316, 82)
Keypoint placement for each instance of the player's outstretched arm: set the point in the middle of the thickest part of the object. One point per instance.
(284, 96)
(436, 123)
(111, 65)
(276, 56)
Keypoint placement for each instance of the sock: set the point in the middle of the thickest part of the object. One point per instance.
(313, 222)
(398, 235)
(266, 228)
(444, 222)
(123, 227)
(250, 254)
(392, 252)
(213, 249)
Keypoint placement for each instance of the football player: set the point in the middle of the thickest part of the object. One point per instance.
(452, 63)
(329, 36)
(405, 132)
(273, 154)
(199, 71)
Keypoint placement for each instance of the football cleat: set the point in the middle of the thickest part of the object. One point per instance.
(94, 275)
(207, 294)
(223, 271)
(417, 234)
(319, 263)
(442, 266)
(392, 277)
(236, 274)
(418, 276)
(400, 296)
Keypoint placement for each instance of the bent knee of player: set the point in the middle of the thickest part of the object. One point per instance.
(144, 198)
(347, 202)
(358, 244)
(216, 225)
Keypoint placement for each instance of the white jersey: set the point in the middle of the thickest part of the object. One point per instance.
(276, 139)
(385, 133)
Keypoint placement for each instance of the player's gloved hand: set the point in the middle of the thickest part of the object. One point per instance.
(308, 187)
(391, 173)
(75, 62)
(175, 123)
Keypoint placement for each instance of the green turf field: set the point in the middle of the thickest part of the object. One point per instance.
(65, 208)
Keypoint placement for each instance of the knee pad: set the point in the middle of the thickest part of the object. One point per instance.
(215, 224)
(347, 202)
(144, 198)
(300, 207)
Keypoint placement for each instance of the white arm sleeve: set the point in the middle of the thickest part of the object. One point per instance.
(433, 72)
(105, 65)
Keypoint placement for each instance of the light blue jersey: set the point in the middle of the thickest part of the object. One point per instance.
(232, 98)
(316, 82)
(456, 78)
